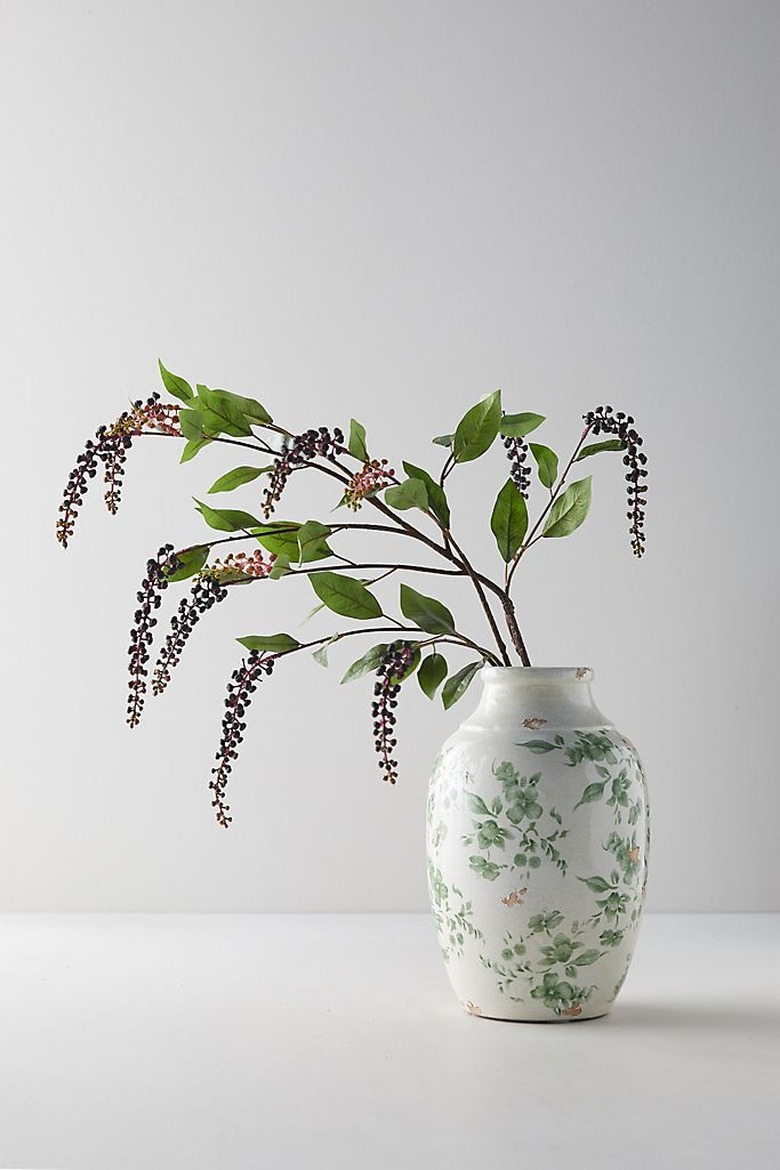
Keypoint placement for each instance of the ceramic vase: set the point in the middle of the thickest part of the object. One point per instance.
(537, 840)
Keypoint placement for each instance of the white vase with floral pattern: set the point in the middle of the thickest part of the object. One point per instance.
(537, 834)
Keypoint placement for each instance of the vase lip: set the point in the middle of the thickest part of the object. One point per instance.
(537, 674)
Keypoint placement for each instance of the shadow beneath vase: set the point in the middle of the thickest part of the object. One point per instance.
(693, 1016)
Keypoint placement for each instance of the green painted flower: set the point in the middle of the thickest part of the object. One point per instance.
(490, 833)
(486, 869)
(524, 806)
(546, 921)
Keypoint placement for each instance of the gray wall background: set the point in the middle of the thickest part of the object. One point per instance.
(385, 210)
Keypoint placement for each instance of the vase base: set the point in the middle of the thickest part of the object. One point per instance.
(472, 1010)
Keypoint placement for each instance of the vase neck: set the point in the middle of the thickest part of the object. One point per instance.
(532, 698)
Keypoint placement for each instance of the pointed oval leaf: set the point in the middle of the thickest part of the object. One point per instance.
(478, 428)
(191, 448)
(274, 643)
(596, 884)
(546, 462)
(226, 519)
(312, 542)
(515, 426)
(569, 510)
(432, 674)
(371, 660)
(409, 494)
(426, 612)
(456, 687)
(345, 596)
(321, 655)
(444, 440)
(235, 478)
(220, 414)
(191, 561)
(509, 521)
(437, 499)
(252, 410)
(357, 440)
(191, 425)
(175, 385)
(606, 445)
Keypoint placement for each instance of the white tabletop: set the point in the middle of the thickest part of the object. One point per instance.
(229, 1042)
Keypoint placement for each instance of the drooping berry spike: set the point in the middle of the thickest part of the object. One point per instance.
(149, 598)
(520, 472)
(297, 452)
(392, 669)
(110, 447)
(240, 691)
(204, 594)
(603, 420)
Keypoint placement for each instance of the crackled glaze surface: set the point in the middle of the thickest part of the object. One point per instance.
(537, 833)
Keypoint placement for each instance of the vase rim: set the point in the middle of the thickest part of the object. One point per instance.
(537, 674)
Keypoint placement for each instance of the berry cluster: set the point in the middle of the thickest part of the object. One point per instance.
(110, 447)
(149, 598)
(603, 420)
(517, 454)
(297, 452)
(240, 690)
(372, 477)
(204, 594)
(395, 664)
(237, 565)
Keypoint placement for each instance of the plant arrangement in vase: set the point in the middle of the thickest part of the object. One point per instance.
(419, 633)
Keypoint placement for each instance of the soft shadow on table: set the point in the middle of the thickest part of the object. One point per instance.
(693, 1016)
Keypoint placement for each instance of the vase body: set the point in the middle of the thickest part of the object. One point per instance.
(537, 840)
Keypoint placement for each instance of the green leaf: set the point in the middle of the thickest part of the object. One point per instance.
(283, 543)
(252, 410)
(596, 884)
(175, 385)
(191, 448)
(539, 746)
(432, 674)
(586, 958)
(427, 613)
(437, 499)
(226, 519)
(312, 543)
(371, 660)
(321, 655)
(477, 805)
(281, 568)
(595, 448)
(569, 510)
(228, 413)
(235, 478)
(547, 463)
(191, 424)
(191, 561)
(515, 426)
(409, 494)
(456, 687)
(444, 440)
(345, 596)
(509, 521)
(593, 792)
(357, 441)
(220, 414)
(478, 428)
(276, 643)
